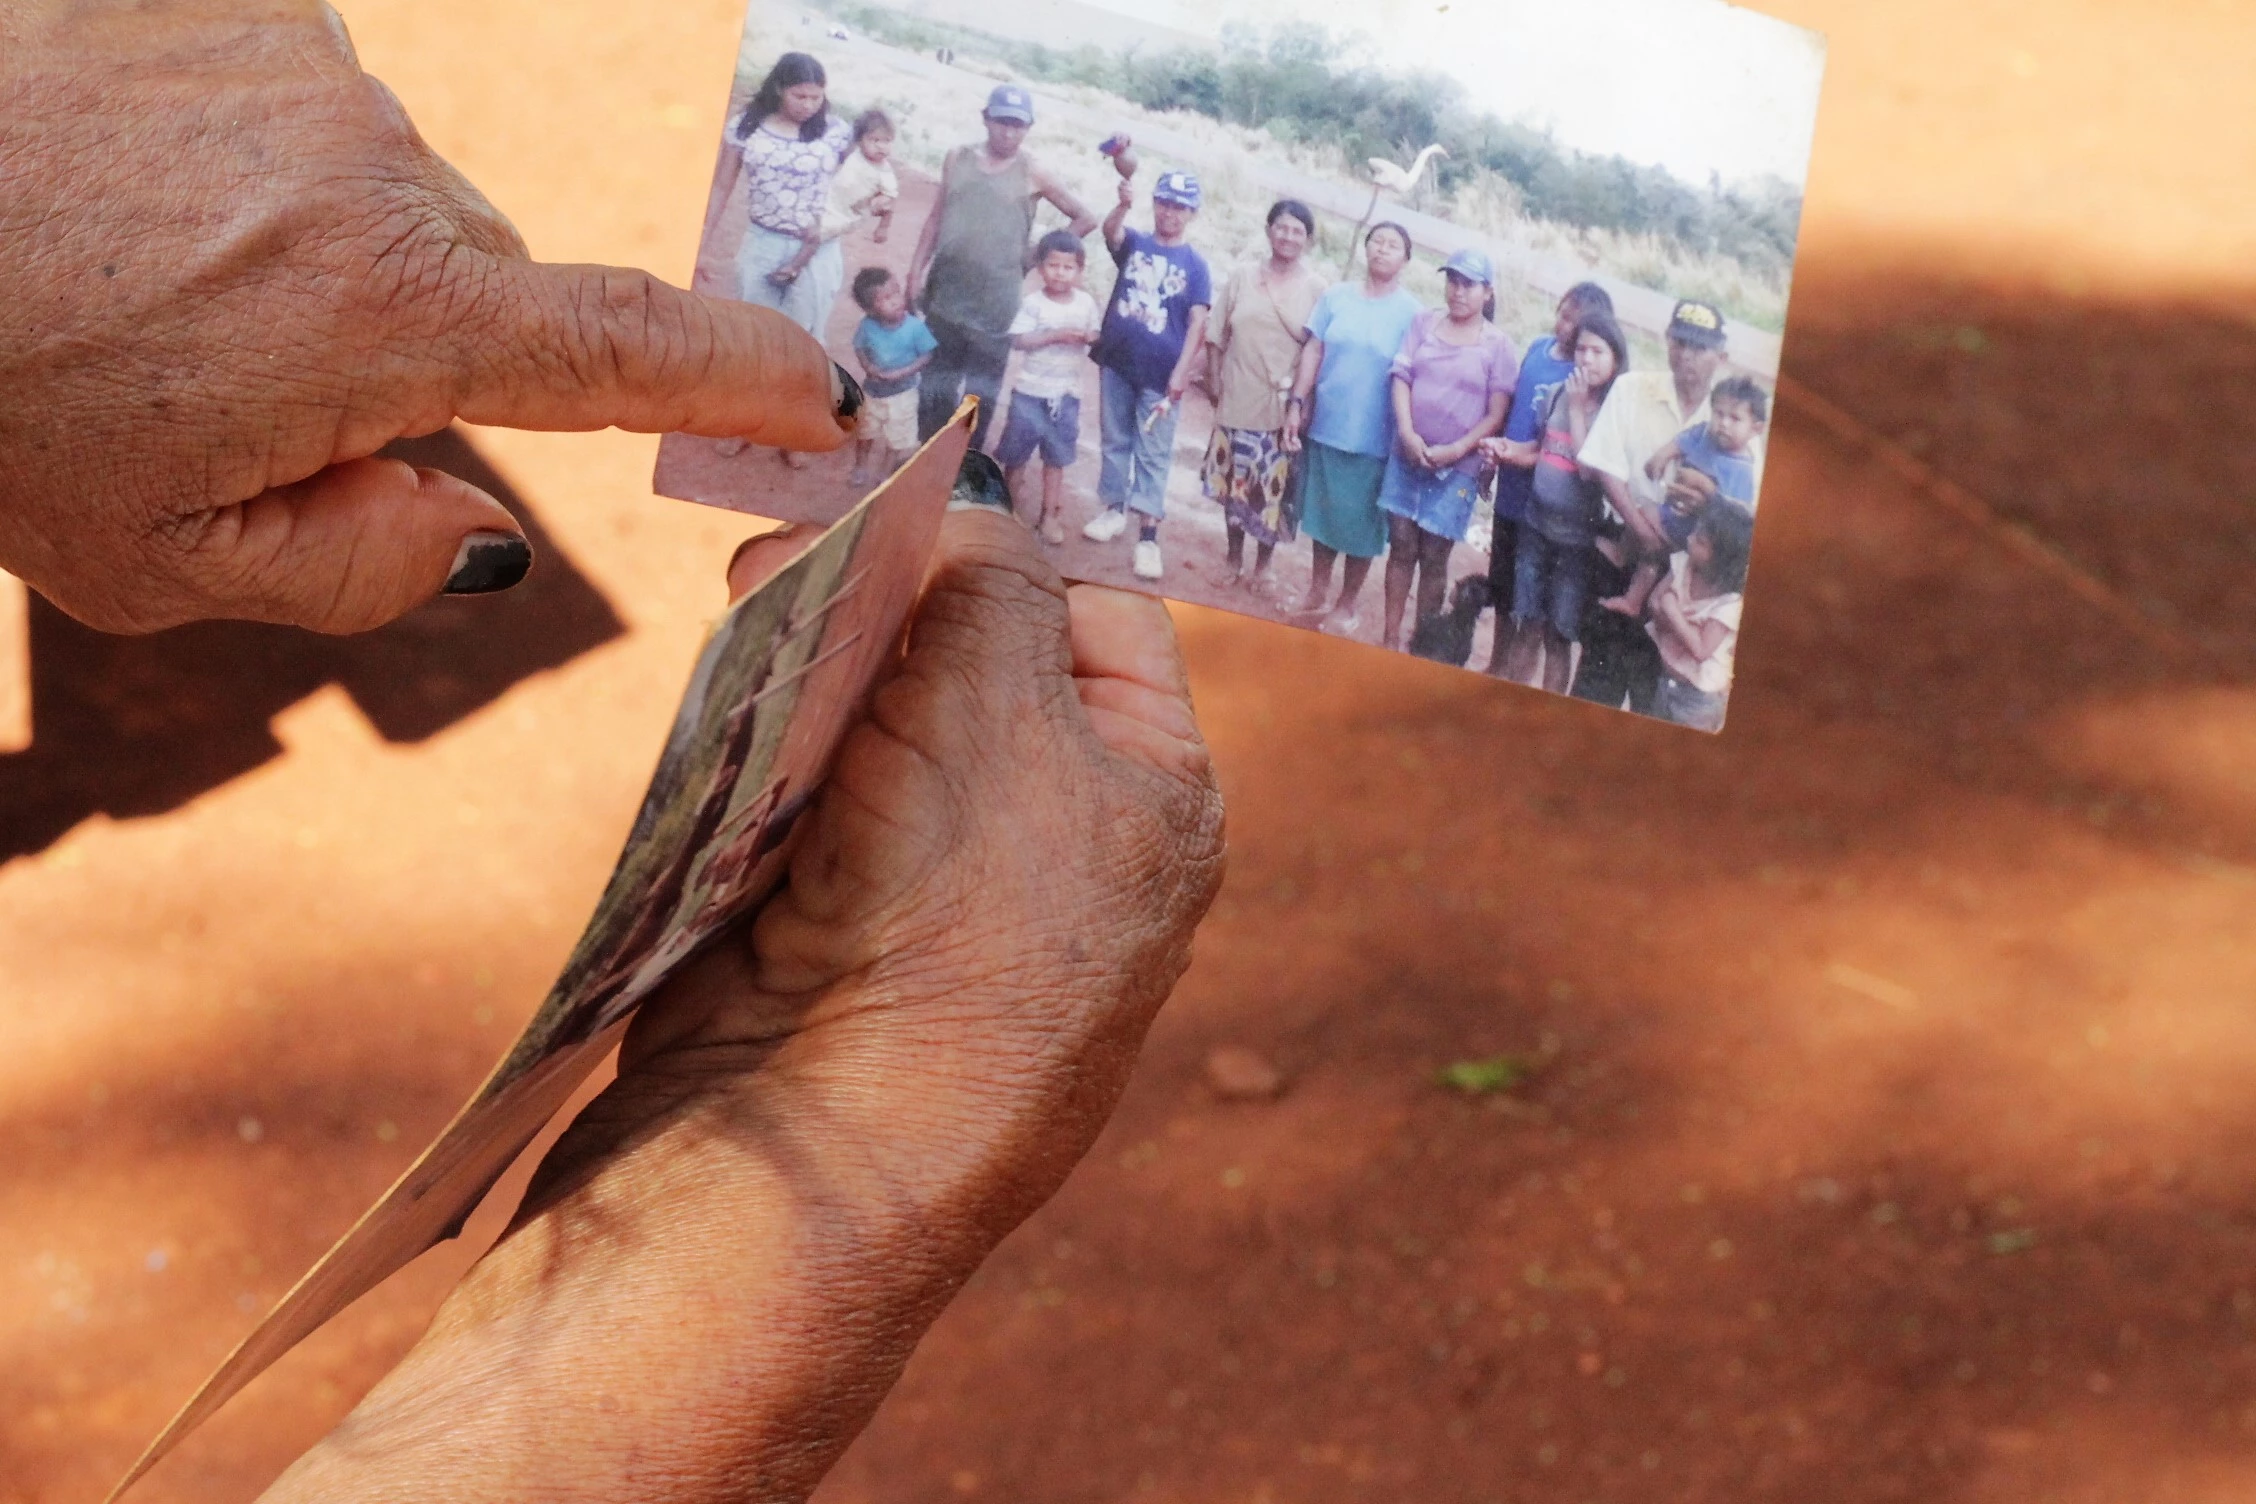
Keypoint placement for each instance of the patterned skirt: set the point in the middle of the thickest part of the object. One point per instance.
(1251, 476)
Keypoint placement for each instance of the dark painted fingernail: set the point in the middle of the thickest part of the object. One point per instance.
(980, 483)
(487, 562)
(849, 396)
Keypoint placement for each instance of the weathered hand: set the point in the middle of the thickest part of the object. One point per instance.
(233, 271)
(820, 1129)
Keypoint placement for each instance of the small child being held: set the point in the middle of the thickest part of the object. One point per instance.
(1722, 452)
(1054, 329)
(894, 347)
(1696, 616)
(865, 183)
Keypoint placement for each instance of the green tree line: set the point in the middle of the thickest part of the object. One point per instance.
(1299, 84)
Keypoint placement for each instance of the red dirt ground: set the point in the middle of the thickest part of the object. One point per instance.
(1901, 1036)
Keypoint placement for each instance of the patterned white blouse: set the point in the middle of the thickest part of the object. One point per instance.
(790, 178)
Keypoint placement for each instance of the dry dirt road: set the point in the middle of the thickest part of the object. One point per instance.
(1903, 1036)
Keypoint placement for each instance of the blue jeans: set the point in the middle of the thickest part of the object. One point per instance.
(1136, 459)
(1551, 582)
(1678, 701)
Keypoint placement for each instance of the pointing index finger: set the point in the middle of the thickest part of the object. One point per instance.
(581, 347)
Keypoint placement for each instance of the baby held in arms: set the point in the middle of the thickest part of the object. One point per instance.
(1712, 461)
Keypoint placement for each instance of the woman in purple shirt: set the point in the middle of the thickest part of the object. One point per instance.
(1452, 383)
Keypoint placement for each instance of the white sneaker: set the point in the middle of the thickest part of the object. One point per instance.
(1145, 560)
(1105, 526)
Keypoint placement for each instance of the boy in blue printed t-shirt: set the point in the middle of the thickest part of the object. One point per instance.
(1145, 353)
(894, 347)
(1722, 452)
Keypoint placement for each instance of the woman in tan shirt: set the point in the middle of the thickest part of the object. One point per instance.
(1253, 345)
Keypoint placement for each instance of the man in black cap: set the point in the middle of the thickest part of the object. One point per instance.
(1643, 412)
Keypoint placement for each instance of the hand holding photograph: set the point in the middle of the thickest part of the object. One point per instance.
(1260, 298)
(783, 677)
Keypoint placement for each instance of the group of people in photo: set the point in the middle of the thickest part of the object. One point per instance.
(1346, 413)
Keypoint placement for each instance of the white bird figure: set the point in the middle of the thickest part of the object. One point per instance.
(1394, 179)
(1390, 177)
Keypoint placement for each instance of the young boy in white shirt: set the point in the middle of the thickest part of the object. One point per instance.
(1053, 331)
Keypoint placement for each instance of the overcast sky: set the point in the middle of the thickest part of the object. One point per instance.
(1692, 85)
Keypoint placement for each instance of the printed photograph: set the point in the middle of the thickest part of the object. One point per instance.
(1449, 330)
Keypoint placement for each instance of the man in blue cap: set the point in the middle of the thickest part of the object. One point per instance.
(971, 258)
(1153, 332)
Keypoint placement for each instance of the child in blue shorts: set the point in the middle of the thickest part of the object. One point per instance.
(1053, 331)
(1721, 449)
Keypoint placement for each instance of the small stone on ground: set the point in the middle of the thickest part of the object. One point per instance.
(1237, 1074)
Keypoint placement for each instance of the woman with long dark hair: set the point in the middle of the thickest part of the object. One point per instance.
(791, 147)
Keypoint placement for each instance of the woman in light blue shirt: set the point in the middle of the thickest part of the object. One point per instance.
(1341, 416)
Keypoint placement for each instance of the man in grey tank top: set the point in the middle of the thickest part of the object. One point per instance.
(969, 269)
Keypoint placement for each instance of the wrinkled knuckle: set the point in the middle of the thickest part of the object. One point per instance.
(1179, 846)
(402, 269)
(491, 230)
(993, 587)
(373, 114)
(205, 550)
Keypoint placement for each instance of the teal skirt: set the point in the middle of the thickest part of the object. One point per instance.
(1340, 500)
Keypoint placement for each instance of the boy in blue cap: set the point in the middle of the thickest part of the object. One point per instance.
(1153, 332)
